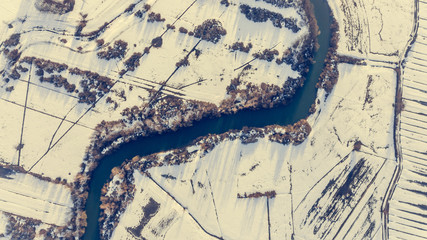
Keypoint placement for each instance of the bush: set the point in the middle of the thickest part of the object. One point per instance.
(55, 6)
(183, 62)
(183, 30)
(155, 17)
(267, 55)
(133, 61)
(118, 51)
(12, 41)
(211, 30)
(239, 46)
(157, 42)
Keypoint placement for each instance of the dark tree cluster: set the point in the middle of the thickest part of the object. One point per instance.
(46, 65)
(281, 3)
(263, 15)
(117, 51)
(183, 62)
(267, 55)
(140, 13)
(329, 76)
(12, 41)
(13, 55)
(169, 26)
(130, 8)
(155, 17)
(268, 194)
(55, 6)
(133, 61)
(225, 3)
(59, 81)
(183, 30)
(92, 85)
(210, 30)
(240, 46)
(21, 228)
(157, 42)
(299, 58)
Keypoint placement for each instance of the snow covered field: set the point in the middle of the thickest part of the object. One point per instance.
(373, 29)
(27, 196)
(49, 117)
(408, 208)
(332, 192)
(43, 121)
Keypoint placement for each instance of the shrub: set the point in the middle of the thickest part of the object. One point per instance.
(133, 61)
(155, 17)
(267, 55)
(239, 46)
(12, 41)
(157, 42)
(183, 62)
(183, 30)
(211, 30)
(118, 51)
(55, 6)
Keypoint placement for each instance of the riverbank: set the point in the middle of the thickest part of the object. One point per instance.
(160, 129)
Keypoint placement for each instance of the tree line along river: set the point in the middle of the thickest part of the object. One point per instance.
(297, 109)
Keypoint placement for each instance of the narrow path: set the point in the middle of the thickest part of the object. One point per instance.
(20, 146)
(183, 207)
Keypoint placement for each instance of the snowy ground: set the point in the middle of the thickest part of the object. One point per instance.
(27, 196)
(373, 29)
(333, 192)
(47, 120)
(408, 208)
(44, 128)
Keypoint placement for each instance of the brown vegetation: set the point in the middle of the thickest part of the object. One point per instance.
(157, 42)
(155, 17)
(55, 6)
(12, 41)
(267, 55)
(240, 46)
(183, 30)
(118, 51)
(133, 61)
(210, 30)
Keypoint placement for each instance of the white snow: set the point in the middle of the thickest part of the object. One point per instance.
(373, 29)
(208, 185)
(408, 206)
(27, 196)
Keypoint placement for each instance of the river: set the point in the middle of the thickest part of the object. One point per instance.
(283, 115)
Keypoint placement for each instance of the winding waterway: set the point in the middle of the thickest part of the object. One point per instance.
(284, 115)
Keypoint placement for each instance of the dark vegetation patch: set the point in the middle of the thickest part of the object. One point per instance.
(225, 3)
(133, 61)
(12, 41)
(268, 194)
(55, 6)
(183, 62)
(141, 13)
(93, 85)
(240, 46)
(183, 30)
(150, 210)
(256, 14)
(157, 42)
(267, 55)
(281, 3)
(210, 30)
(155, 17)
(118, 51)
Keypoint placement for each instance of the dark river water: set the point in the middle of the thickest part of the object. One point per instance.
(283, 115)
